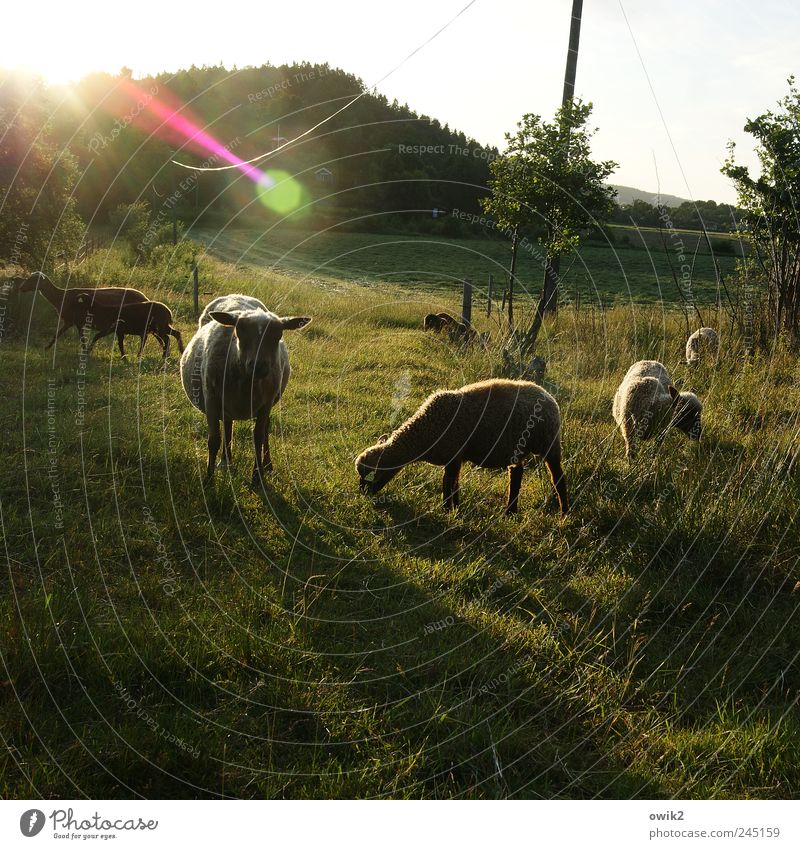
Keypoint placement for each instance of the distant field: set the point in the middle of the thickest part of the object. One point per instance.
(597, 273)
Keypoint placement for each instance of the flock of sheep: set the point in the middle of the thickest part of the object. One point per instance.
(236, 367)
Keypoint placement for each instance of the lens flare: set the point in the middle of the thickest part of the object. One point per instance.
(281, 193)
(277, 190)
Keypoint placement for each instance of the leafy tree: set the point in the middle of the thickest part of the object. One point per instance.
(38, 221)
(547, 178)
(769, 204)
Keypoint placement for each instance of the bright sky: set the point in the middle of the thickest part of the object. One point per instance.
(671, 82)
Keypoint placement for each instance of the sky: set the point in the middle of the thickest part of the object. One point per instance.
(671, 82)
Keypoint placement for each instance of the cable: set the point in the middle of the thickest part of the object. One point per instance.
(338, 111)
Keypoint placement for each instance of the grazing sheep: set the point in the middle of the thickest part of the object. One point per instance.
(77, 307)
(236, 366)
(647, 403)
(494, 424)
(703, 344)
(138, 320)
(439, 321)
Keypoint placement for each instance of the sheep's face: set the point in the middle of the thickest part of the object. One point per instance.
(686, 412)
(374, 469)
(258, 335)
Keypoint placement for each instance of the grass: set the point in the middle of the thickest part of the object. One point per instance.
(166, 638)
(600, 273)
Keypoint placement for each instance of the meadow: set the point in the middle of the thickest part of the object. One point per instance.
(165, 637)
(635, 267)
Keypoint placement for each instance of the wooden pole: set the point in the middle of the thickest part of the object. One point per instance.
(489, 297)
(196, 289)
(466, 305)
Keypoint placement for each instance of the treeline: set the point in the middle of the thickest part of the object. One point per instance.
(78, 156)
(113, 141)
(703, 214)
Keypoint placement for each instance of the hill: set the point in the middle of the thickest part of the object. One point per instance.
(627, 195)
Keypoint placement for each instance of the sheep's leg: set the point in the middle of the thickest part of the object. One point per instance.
(99, 335)
(177, 334)
(163, 338)
(553, 463)
(514, 484)
(61, 331)
(629, 435)
(261, 447)
(213, 442)
(450, 485)
(120, 342)
(226, 445)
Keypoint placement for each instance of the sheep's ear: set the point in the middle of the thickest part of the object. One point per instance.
(382, 439)
(673, 392)
(295, 322)
(226, 318)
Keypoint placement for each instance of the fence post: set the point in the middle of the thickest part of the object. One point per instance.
(489, 297)
(195, 288)
(466, 305)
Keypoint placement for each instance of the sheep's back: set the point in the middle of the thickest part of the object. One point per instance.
(230, 303)
(645, 401)
(500, 422)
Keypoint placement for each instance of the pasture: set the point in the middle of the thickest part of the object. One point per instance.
(634, 268)
(164, 637)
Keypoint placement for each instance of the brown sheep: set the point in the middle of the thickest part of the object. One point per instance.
(439, 321)
(494, 424)
(138, 320)
(75, 306)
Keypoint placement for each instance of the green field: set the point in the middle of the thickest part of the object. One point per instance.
(599, 273)
(166, 638)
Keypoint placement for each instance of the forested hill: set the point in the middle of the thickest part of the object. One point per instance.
(374, 157)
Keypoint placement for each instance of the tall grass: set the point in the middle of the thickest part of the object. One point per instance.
(165, 637)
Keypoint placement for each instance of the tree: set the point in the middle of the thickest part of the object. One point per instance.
(548, 179)
(769, 203)
(38, 221)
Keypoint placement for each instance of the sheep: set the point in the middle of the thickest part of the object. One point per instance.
(236, 366)
(647, 403)
(702, 344)
(493, 424)
(76, 307)
(439, 321)
(137, 319)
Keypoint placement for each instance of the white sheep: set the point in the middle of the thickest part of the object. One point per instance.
(647, 403)
(702, 345)
(236, 367)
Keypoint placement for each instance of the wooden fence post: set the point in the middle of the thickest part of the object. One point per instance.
(466, 305)
(196, 288)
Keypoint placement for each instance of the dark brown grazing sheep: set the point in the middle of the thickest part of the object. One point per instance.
(75, 306)
(137, 320)
(494, 424)
(439, 321)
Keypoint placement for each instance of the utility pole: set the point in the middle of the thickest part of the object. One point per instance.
(549, 300)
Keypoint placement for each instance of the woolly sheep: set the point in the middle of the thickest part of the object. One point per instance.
(236, 366)
(701, 345)
(647, 403)
(494, 424)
